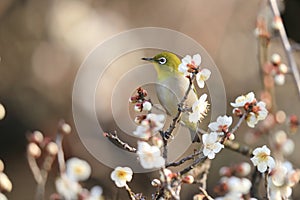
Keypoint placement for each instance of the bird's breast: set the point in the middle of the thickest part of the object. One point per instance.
(170, 91)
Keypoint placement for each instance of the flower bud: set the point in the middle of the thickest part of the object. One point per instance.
(245, 169)
(288, 147)
(279, 79)
(225, 171)
(133, 99)
(5, 183)
(155, 183)
(238, 112)
(277, 24)
(34, 150)
(231, 136)
(283, 68)
(280, 116)
(280, 137)
(52, 148)
(138, 107)
(276, 59)
(147, 106)
(189, 179)
(2, 111)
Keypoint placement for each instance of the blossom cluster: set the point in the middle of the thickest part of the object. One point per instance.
(276, 69)
(41, 149)
(255, 111)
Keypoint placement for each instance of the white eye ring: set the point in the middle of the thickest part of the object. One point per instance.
(162, 60)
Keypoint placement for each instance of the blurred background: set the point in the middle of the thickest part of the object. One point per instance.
(43, 43)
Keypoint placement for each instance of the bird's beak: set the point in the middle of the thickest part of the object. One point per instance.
(148, 59)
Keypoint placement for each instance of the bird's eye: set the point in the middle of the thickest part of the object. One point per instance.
(162, 60)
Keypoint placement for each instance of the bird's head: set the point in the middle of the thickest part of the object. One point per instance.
(165, 62)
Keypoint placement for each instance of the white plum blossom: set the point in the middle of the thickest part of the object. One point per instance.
(251, 120)
(256, 111)
(77, 169)
(143, 131)
(242, 100)
(259, 112)
(202, 76)
(262, 159)
(67, 188)
(121, 175)
(211, 144)
(199, 109)
(149, 156)
(279, 184)
(188, 63)
(222, 124)
(150, 126)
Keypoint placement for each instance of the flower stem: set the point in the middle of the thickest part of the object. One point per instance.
(286, 44)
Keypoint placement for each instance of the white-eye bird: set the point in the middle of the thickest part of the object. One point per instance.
(171, 87)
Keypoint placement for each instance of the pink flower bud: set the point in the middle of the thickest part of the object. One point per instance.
(275, 59)
(189, 179)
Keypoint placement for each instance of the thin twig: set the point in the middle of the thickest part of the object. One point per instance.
(197, 161)
(183, 160)
(203, 180)
(242, 118)
(130, 193)
(266, 186)
(286, 44)
(119, 141)
(165, 147)
(205, 193)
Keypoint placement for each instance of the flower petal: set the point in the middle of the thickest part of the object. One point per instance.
(211, 155)
(218, 146)
(214, 126)
(262, 167)
(197, 59)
